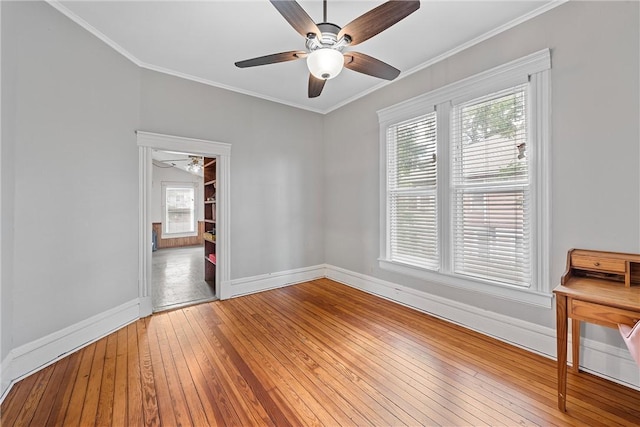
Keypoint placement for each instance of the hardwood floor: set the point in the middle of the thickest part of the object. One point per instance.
(318, 353)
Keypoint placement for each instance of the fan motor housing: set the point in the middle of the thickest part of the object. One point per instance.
(328, 38)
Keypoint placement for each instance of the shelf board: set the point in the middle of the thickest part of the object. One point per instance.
(207, 259)
(210, 221)
(212, 162)
(213, 181)
(209, 202)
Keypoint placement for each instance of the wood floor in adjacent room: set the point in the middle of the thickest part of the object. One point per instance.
(318, 353)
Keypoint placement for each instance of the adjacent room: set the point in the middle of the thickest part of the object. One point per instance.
(312, 212)
(183, 237)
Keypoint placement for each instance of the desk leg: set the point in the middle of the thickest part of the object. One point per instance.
(561, 335)
(575, 344)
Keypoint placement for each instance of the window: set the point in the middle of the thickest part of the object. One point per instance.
(490, 188)
(412, 191)
(464, 183)
(179, 215)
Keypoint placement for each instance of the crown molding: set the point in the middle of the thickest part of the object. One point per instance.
(91, 29)
(227, 87)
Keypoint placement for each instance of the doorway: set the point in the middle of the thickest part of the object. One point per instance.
(179, 273)
(147, 142)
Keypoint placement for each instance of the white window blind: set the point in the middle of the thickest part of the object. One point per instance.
(491, 192)
(412, 196)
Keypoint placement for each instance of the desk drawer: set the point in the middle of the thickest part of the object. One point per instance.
(612, 265)
(602, 314)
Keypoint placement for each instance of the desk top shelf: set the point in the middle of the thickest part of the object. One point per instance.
(608, 266)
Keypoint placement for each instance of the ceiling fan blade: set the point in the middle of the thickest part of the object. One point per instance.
(272, 59)
(315, 86)
(377, 20)
(296, 17)
(366, 64)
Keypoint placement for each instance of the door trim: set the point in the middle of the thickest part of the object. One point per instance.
(148, 141)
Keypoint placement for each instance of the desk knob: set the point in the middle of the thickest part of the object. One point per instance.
(596, 263)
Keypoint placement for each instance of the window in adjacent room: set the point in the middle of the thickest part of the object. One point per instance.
(179, 214)
(464, 183)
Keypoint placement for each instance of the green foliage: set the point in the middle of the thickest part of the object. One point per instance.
(503, 116)
(513, 170)
(412, 138)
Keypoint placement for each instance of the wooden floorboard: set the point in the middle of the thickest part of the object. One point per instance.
(318, 353)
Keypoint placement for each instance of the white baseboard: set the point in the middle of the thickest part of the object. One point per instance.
(264, 282)
(38, 354)
(600, 359)
(608, 361)
(146, 306)
(5, 381)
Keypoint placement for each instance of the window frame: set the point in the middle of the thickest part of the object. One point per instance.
(399, 191)
(186, 184)
(533, 70)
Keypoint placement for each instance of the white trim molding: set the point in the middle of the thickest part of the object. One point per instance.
(148, 141)
(265, 282)
(6, 383)
(182, 144)
(510, 74)
(36, 355)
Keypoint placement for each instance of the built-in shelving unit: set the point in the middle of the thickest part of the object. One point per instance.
(210, 220)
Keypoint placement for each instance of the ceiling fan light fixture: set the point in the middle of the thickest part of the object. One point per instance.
(325, 63)
(194, 165)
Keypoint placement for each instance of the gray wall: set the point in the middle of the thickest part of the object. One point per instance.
(7, 195)
(70, 106)
(277, 174)
(70, 220)
(594, 145)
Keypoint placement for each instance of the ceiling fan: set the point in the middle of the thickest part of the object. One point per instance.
(194, 163)
(325, 42)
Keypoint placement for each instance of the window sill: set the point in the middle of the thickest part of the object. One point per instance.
(512, 293)
(178, 235)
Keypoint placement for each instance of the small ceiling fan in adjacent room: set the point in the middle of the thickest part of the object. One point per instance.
(326, 42)
(188, 162)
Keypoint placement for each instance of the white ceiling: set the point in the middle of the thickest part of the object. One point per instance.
(201, 40)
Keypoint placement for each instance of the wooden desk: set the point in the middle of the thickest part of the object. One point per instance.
(598, 287)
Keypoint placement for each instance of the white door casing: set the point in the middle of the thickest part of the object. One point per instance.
(148, 141)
